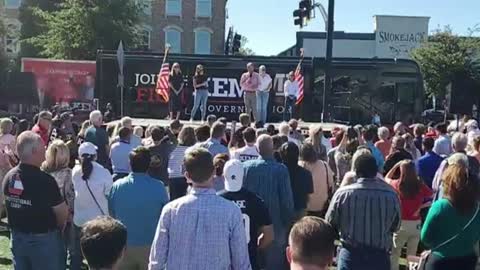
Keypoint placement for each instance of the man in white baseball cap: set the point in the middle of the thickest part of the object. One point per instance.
(258, 224)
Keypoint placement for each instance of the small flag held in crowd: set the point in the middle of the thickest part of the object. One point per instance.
(163, 77)
(299, 79)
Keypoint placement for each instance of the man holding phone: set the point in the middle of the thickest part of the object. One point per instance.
(249, 83)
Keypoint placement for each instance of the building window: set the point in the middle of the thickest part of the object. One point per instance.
(13, 4)
(12, 44)
(173, 37)
(203, 41)
(145, 42)
(173, 7)
(204, 8)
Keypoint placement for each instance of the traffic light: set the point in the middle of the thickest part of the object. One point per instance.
(303, 12)
(298, 17)
(237, 43)
(306, 5)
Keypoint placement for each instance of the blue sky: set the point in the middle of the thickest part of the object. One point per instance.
(268, 24)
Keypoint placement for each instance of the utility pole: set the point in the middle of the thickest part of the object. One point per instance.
(327, 84)
(301, 17)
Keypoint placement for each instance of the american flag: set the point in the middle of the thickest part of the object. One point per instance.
(299, 79)
(162, 82)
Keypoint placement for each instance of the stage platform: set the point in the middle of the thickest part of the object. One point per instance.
(144, 122)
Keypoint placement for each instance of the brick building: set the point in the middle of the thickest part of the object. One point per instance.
(189, 26)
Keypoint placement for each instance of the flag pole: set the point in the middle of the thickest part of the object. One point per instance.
(167, 50)
(121, 79)
(121, 101)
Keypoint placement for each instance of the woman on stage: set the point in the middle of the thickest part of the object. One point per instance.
(200, 85)
(175, 83)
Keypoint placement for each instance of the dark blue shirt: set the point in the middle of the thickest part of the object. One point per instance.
(427, 165)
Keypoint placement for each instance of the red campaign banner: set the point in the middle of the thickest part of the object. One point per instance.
(62, 81)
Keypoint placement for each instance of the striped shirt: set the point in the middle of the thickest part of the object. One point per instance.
(175, 163)
(366, 214)
(270, 180)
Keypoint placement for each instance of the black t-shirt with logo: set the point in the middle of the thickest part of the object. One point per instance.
(30, 195)
(255, 215)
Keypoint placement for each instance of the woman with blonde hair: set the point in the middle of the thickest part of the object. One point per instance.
(451, 227)
(7, 146)
(200, 85)
(57, 158)
(83, 130)
(56, 162)
(413, 194)
(6, 137)
(321, 144)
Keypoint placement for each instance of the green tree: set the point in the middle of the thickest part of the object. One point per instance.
(3, 57)
(444, 55)
(80, 27)
(33, 25)
(244, 50)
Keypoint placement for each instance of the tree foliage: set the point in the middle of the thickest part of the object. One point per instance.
(79, 27)
(3, 56)
(33, 25)
(244, 50)
(444, 55)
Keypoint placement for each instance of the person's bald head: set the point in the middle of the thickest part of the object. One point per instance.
(265, 145)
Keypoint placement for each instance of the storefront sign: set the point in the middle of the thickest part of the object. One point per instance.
(397, 36)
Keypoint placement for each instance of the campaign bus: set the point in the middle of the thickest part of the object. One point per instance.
(360, 87)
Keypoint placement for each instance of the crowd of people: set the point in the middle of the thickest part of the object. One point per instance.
(238, 195)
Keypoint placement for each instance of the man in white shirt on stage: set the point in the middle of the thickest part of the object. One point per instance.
(290, 89)
(263, 94)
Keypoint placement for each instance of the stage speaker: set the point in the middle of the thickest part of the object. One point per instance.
(20, 88)
(462, 94)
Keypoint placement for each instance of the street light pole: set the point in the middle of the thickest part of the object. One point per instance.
(327, 85)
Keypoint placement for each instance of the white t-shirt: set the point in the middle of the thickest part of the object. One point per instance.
(264, 82)
(246, 153)
(291, 88)
(100, 182)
